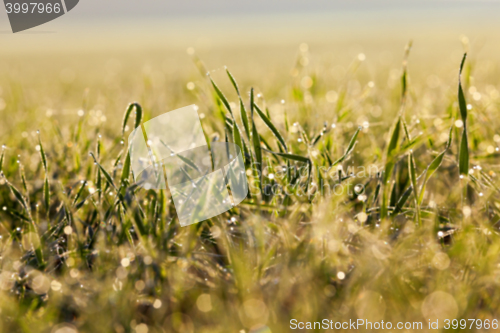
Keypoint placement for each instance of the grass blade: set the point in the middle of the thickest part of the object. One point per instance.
(349, 149)
(221, 97)
(109, 179)
(463, 154)
(461, 97)
(257, 150)
(128, 111)
(413, 178)
(432, 168)
(46, 194)
(233, 81)
(1, 160)
(126, 169)
(244, 118)
(271, 126)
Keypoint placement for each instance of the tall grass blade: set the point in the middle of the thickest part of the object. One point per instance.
(463, 154)
(349, 149)
(271, 126)
(432, 168)
(138, 115)
(221, 97)
(109, 179)
(244, 118)
(413, 178)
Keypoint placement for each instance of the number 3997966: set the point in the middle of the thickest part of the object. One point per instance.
(33, 7)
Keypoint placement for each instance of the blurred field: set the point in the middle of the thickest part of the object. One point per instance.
(81, 252)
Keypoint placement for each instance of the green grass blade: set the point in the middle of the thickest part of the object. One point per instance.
(413, 178)
(233, 81)
(221, 97)
(251, 103)
(42, 154)
(109, 179)
(46, 194)
(1, 160)
(435, 164)
(389, 165)
(126, 169)
(402, 200)
(271, 126)
(244, 118)
(257, 150)
(80, 192)
(462, 104)
(349, 149)
(292, 157)
(463, 155)
(237, 136)
(393, 143)
(138, 115)
(20, 198)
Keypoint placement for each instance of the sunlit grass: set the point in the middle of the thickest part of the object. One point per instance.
(373, 196)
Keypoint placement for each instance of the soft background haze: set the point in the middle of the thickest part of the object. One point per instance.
(253, 34)
(324, 72)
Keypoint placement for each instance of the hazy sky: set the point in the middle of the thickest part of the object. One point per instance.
(175, 8)
(94, 24)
